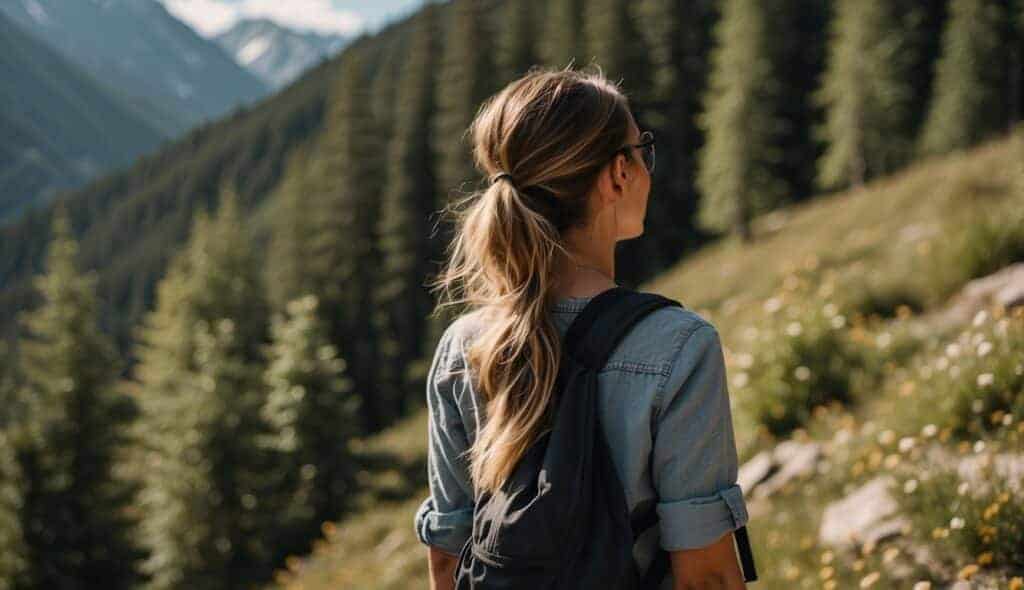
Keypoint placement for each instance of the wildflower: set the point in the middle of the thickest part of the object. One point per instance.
(985, 379)
(979, 318)
(829, 309)
(1007, 419)
(1016, 583)
(886, 437)
(745, 360)
(941, 363)
(906, 443)
(772, 305)
(977, 406)
(838, 321)
(827, 572)
(984, 348)
(890, 554)
(952, 350)
(827, 556)
(991, 511)
(923, 585)
(802, 373)
(909, 486)
(794, 329)
(979, 446)
(868, 580)
(929, 430)
(985, 558)
(741, 380)
(967, 571)
(956, 523)
(963, 488)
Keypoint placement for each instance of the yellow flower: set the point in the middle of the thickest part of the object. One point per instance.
(985, 558)
(1016, 583)
(991, 511)
(967, 571)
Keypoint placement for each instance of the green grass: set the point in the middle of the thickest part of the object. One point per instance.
(868, 253)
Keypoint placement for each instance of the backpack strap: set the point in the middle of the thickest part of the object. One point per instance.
(590, 340)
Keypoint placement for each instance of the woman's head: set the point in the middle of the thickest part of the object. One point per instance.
(563, 137)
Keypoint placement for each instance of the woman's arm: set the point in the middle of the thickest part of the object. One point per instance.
(442, 569)
(715, 567)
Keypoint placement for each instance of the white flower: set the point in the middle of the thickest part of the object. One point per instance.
(979, 446)
(909, 486)
(985, 379)
(963, 488)
(745, 360)
(906, 443)
(1007, 419)
(952, 349)
(802, 373)
(929, 430)
(742, 378)
(838, 321)
(984, 348)
(956, 523)
(772, 305)
(979, 318)
(883, 339)
(794, 329)
(829, 309)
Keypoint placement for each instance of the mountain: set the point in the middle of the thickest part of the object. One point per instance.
(278, 55)
(61, 127)
(169, 74)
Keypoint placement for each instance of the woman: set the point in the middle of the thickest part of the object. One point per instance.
(570, 176)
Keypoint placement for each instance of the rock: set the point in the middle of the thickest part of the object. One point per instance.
(1005, 287)
(794, 459)
(863, 516)
(754, 471)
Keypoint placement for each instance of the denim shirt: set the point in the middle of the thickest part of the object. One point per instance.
(665, 411)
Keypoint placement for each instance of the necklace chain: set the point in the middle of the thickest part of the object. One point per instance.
(595, 270)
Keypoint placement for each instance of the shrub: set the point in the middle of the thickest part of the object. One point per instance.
(799, 358)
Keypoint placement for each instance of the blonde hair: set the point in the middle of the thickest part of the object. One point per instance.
(552, 131)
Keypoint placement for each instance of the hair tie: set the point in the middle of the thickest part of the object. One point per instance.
(498, 176)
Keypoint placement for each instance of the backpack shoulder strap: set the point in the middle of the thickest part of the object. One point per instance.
(606, 319)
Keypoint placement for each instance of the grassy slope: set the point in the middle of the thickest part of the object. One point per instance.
(857, 235)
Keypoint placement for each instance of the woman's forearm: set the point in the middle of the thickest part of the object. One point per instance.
(442, 569)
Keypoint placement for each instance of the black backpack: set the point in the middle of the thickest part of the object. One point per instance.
(561, 520)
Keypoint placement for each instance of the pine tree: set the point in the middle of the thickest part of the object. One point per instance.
(868, 93)
(289, 254)
(405, 227)
(348, 172)
(205, 506)
(611, 39)
(972, 78)
(313, 410)
(677, 35)
(13, 549)
(736, 175)
(465, 79)
(562, 40)
(517, 44)
(74, 515)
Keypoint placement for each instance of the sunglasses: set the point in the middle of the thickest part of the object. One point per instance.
(646, 146)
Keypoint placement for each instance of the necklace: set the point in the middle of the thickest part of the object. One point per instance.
(595, 270)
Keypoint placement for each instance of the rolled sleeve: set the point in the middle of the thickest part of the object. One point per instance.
(445, 518)
(694, 460)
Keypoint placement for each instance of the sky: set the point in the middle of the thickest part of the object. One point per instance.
(348, 17)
